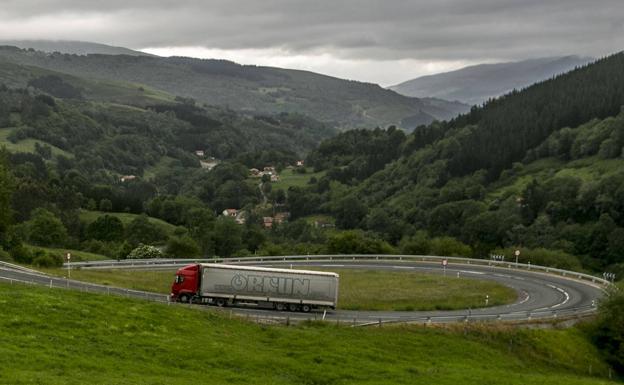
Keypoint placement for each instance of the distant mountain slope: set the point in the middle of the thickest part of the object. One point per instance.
(476, 84)
(257, 90)
(72, 47)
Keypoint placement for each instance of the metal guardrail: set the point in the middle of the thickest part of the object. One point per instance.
(13, 266)
(344, 258)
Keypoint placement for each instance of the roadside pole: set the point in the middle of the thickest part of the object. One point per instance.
(517, 254)
(444, 263)
(68, 263)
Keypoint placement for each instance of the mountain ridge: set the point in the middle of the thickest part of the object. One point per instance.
(478, 83)
(253, 89)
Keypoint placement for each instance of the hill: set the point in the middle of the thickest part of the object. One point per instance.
(537, 169)
(124, 341)
(476, 84)
(251, 89)
(72, 47)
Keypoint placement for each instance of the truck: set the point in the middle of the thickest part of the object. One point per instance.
(233, 285)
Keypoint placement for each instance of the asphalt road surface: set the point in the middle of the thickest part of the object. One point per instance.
(540, 295)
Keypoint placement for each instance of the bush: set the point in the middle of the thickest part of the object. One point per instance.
(543, 257)
(145, 252)
(21, 254)
(356, 242)
(607, 332)
(449, 246)
(4, 256)
(48, 260)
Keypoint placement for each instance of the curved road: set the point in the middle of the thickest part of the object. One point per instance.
(540, 295)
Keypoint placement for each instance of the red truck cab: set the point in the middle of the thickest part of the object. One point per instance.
(186, 283)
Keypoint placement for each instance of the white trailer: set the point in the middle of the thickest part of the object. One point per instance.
(280, 288)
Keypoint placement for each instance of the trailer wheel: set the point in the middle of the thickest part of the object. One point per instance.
(184, 298)
(220, 302)
(280, 306)
(293, 307)
(306, 308)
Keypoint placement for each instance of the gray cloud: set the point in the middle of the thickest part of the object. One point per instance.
(441, 30)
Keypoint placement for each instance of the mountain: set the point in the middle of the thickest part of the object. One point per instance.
(251, 89)
(476, 84)
(540, 168)
(72, 47)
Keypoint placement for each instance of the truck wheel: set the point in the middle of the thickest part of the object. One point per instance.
(306, 308)
(293, 307)
(220, 302)
(184, 298)
(280, 307)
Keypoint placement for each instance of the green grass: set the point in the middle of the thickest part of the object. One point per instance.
(359, 289)
(162, 165)
(290, 178)
(54, 336)
(389, 290)
(76, 255)
(27, 145)
(90, 216)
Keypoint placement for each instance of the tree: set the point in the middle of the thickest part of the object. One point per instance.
(227, 237)
(106, 205)
(141, 230)
(106, 228)
(356, 242)
(182, 247)
(6, 192)
(45, 229)
(349, 212)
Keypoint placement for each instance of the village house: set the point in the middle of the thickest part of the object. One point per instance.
(240, 216)
(233, 213)
(300, 163)
(126, 178)
(267, 222)
(200, 153)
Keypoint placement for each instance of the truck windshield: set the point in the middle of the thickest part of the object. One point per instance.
(179, 279)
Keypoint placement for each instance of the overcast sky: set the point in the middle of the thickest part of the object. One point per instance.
(370, 40)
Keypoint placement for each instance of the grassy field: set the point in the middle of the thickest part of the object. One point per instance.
(90, 216)
(359, 289)
(76, 255)
(53, 336)
(26, 145)
(290, 178)
(388, 290)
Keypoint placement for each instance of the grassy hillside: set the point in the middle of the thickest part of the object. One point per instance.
(125, 218)
(259, 90)
(61, 337)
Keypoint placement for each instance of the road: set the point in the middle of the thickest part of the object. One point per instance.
(540, 295)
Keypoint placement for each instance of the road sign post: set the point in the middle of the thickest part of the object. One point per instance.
(444, 263)
(517, 254)
(68, 265)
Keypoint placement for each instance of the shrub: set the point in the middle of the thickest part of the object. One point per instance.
(449, 246)
(145, 252)
(21, 254)
(4, 256)
(607, 332)
(48, 260)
